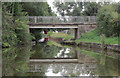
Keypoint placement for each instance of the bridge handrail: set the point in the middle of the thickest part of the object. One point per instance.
(63, 19)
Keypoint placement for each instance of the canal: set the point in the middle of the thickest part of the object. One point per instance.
(53, 59)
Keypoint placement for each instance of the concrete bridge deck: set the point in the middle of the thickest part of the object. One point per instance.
(58, 25)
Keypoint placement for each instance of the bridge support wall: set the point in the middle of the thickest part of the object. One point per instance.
(77, 34)
(86, 28)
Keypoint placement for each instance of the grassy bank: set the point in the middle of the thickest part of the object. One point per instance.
(62, 35)
(88, 37)
(94, 37)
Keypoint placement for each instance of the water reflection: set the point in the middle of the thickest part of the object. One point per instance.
(50, 51)
(44, 51)
(89, 64)
(43, 40)
(75, 69)
(16, 62)
(63, 69)
(64, 53)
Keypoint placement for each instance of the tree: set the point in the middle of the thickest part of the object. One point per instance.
(91, 8)
(69, 8)
(37, 9)
(14, 28)
(107, 20)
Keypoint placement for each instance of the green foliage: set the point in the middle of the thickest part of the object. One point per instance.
(107, 20)
(6, 44)
(8, 34)
(36, 33)
(37, 9)
(118, 7)
(22, 31)
(65, 8)
(91, 8)
(15, 29)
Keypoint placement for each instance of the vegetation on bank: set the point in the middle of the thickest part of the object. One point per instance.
(63, 35)
(108, 20)
(14, 29)
(93, 36)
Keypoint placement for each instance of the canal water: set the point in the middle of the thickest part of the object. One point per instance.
(83, 61)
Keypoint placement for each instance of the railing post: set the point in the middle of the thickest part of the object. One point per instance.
(95, 19)
(89, 19)
(83, 19)
(35, 19)
(52, 19)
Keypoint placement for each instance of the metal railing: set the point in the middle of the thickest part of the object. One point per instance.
(65, 19)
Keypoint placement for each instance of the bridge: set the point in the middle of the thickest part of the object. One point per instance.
(75, 22)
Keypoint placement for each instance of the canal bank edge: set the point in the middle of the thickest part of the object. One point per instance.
(113, 47)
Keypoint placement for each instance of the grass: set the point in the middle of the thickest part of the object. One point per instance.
(62, 35)
(94, 37)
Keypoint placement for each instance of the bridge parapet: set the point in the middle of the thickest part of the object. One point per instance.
(61, 20)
